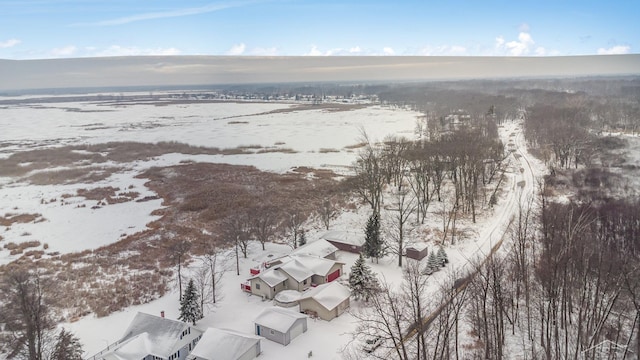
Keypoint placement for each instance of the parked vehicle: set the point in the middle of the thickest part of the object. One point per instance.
(371, 344)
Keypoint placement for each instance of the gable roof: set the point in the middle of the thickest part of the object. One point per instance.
(278, 319)
(137, 347)
(328, 295)
(296, 269)
(222, 344)
(344, 237)
(151, 335)
(317, 265)
(320, 247)
(271, 277)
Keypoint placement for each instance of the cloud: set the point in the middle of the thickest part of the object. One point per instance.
(615, 50)
(524, 27)
(443, 50)
(117, 50)
(65, 51)
(237, 49)
(315, 51)
(520, 47)
(166, 14)
(259, 51)
(9, 43)
(388, 51)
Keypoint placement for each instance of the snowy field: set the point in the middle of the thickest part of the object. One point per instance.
(224, 125)
(318, 138)
(334, 339)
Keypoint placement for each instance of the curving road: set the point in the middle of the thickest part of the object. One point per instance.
(521, 189)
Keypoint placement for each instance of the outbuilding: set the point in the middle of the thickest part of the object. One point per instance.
(280, 325)
(417, 251)
(327, 301)
(345, 241)
(221, 344)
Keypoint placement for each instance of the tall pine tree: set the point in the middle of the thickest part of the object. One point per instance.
(189, 308)
(362, 280)
(442, 256)
(432, 263)
(373, 243)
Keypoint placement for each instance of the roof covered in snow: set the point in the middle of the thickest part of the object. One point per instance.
(296, 269)
(221, 344)
(137, 347)
(328, 295)
(278, 319)
(320, 247)
(271, 277)
(152, 335)
(287, 296)
(317, 265)
(344, 237)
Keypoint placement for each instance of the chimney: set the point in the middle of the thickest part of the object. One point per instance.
(162, 314)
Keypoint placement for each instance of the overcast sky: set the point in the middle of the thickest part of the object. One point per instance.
(45, 29)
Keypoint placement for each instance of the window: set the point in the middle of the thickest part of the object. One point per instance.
(257, 286)
(304, 282)
(271, 332)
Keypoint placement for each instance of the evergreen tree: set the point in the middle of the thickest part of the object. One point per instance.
(373, 243)
(432, 263)
(189, 308)
(302, 239)
(67, 347)
(442, 256)
(362, 280)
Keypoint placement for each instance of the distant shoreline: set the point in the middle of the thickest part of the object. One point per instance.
(152, 72)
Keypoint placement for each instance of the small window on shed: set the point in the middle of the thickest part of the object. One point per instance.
(257, 286)
(272, 332)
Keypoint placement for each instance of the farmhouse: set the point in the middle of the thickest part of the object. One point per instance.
(328, 301)
(219, 344)
(345, 241)
(280, 325)
(152, 337)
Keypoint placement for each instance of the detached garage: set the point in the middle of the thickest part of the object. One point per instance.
(219, 344)
(280, 325)
(328, 301)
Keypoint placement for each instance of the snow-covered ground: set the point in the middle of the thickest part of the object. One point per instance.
(72, 228)
(320, 139)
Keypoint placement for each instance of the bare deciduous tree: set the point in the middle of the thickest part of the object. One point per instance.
(178, 251)
(26, 315)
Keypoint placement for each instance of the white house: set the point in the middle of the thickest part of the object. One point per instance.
(220, 344)
(328, 301)
(152, 337)
(280, 325)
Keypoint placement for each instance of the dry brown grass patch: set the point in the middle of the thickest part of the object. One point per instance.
(10, 219)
